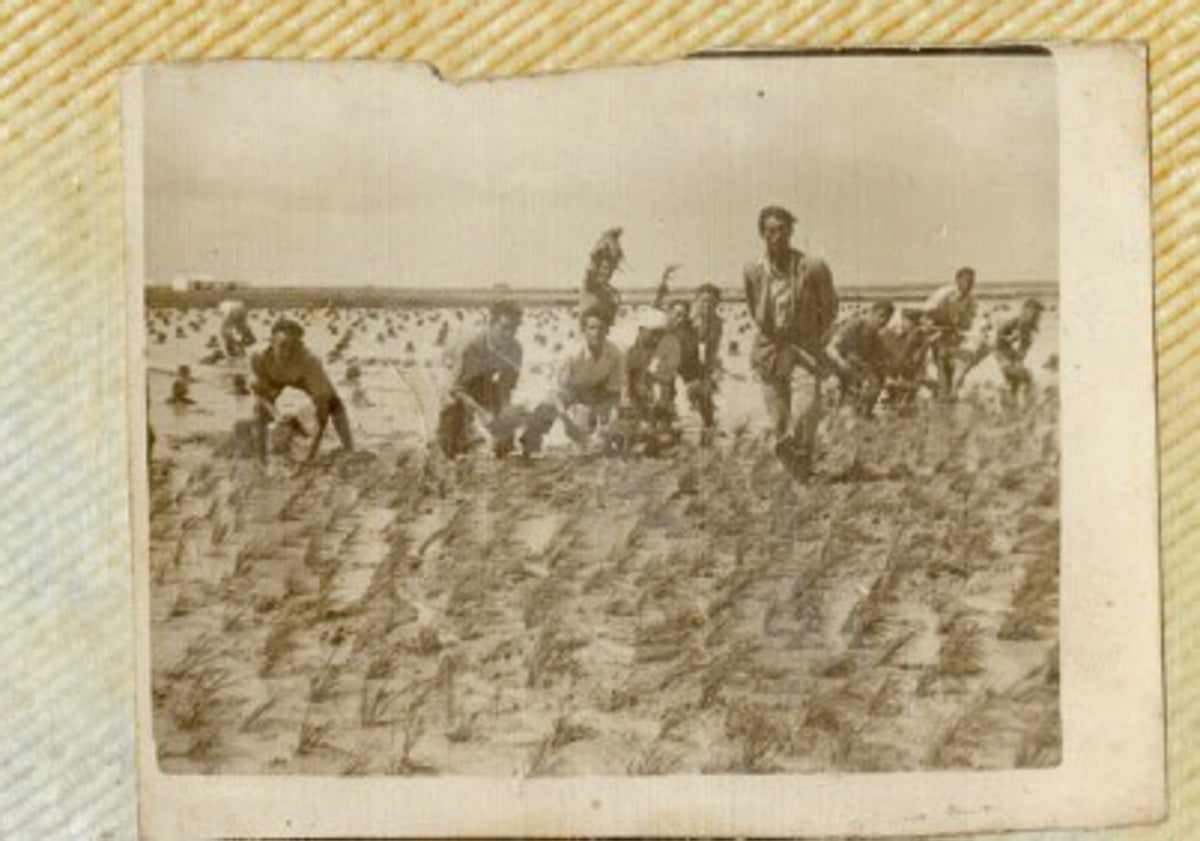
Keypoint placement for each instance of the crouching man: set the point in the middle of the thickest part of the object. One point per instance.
(651, 366)
(861, 360)
(590, 381)
(287, 363)
(485, 373)
(1013, 341)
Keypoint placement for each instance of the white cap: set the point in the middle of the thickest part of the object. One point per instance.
(653, 319)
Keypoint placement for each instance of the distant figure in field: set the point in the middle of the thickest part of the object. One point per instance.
(860, 357)
(598, 294)
(485, 372)
(1013, 341)
(287, 363)
(590, 382)
(951, 309)
(236, 334)
(793, 305)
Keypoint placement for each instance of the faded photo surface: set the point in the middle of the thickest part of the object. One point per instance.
(753, 444)
(706, 422)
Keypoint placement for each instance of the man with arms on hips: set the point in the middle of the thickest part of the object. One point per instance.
(793, 304)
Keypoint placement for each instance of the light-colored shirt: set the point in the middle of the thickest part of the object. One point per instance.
(948, 307)
(585, 377)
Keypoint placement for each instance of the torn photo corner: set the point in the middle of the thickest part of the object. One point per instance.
(754, 444)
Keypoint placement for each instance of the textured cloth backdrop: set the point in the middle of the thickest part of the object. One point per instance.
(66, 730)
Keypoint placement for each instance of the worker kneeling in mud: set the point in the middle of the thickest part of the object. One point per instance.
(287, 363)
(859, 357)
(485, 372)
(651, 365)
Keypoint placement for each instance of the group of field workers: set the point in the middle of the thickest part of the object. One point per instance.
(624, 401)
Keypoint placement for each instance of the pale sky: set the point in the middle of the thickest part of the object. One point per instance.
(898, 168)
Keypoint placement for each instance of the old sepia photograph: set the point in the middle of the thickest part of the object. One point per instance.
(679, 422)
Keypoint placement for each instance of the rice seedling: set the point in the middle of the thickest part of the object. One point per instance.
(313, 736)
(756, 734)
(198, 654)
(279, 643)
(962, 653)
(196, 698)
(375, 704)
(1041, 746)
(1034, 611)
(464, 730)
(653, 760)
(254, 719)
(553, 655)
(324, 683)
(357, 764)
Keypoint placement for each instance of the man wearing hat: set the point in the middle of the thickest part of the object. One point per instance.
(793, 304)
(287, 363)
(1013, 341)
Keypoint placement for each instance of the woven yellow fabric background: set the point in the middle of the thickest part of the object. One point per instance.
(65, 648)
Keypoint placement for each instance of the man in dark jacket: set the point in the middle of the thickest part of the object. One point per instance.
(794, 306)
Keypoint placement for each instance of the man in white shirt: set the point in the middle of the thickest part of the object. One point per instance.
(951, 309)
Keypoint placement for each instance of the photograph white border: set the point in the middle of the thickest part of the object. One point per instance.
(1111, 664)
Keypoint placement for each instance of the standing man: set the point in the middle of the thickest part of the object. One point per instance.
(707, 328)
(794, 306)
(287, 363)
(484, 375)
(951, 310)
